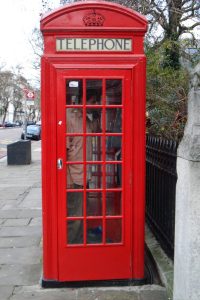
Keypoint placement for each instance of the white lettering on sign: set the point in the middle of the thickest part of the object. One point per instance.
(93, 44)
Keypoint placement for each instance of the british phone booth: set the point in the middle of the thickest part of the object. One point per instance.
(93, 144)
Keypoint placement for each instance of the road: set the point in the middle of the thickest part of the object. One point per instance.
(7, 136)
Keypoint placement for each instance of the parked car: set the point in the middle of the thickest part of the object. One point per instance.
(31, 123)
(33, 132)
(9, 124)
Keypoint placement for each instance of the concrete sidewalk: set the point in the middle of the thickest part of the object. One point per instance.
(20, 242)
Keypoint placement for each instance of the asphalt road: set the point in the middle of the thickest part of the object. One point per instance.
(8, 136)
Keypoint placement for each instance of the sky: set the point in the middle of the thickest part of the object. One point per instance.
(17, 20)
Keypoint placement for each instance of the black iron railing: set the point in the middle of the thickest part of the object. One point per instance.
(161, 180)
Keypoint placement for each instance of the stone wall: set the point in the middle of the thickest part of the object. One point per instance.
(187, 229)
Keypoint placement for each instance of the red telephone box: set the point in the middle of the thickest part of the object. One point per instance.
(93, 143)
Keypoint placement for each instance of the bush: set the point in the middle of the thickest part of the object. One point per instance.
(167, 90)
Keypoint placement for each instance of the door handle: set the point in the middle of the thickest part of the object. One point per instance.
(59, 163)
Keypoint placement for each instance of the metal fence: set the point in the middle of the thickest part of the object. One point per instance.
(161, 180)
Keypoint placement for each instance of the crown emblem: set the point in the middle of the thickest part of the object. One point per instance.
(94, 19)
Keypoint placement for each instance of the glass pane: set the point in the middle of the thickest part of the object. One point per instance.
(114, 231)
(74, 120)
(74, 91)
(94, 204)
(94, 120)
(94, 231)
(114, 91)
(113, 147)
(94, 148)
(113, 176)
(75, 232)
(113, 203)
(74, 146)
(75, 204)
(114, 120)
(93, 92)
(75, 176)
(94, 176)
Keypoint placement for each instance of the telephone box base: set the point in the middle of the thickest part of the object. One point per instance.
(92, 283)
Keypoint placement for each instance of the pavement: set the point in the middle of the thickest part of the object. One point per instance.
(21, 243)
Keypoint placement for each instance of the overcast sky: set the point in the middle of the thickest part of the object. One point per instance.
(17, 20)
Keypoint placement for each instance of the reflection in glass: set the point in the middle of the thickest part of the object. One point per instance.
(113, 176)
(74, 91)
(94, 231)
(75, 204)
(75, 232)
(94, 148)
(93, 92)
(114, 92)
(113, 203)
(74, 120)
(114, 120)
(94, 120)
(94, 204)
(113, 147)
(94, 176)
(113, 231)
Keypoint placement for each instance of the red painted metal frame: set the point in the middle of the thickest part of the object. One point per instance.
(54, 68)
(108, 261)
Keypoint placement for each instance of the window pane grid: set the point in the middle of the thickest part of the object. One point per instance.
(103, 162)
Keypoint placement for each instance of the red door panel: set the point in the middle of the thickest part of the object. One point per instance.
(94, 169)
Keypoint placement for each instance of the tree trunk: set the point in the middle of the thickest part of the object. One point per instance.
(172, 52)
(4, 114)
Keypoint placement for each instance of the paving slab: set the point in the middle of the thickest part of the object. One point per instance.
(29, 255)
(35, 221)
(2, 221)
(19, 213)
(17, 222)
(20, 231)
(46, 295)
(6, 292)
(8, 193)
(31, 203)
(153, 293)
(26, 213)
(10, 213)
(19, 241)
(19, 275)
(117, 293)
(35, 193)
(10, 204)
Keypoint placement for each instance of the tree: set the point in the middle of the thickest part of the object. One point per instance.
(172, 18)
(6, 91)
(167, 91)
(12, 84)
